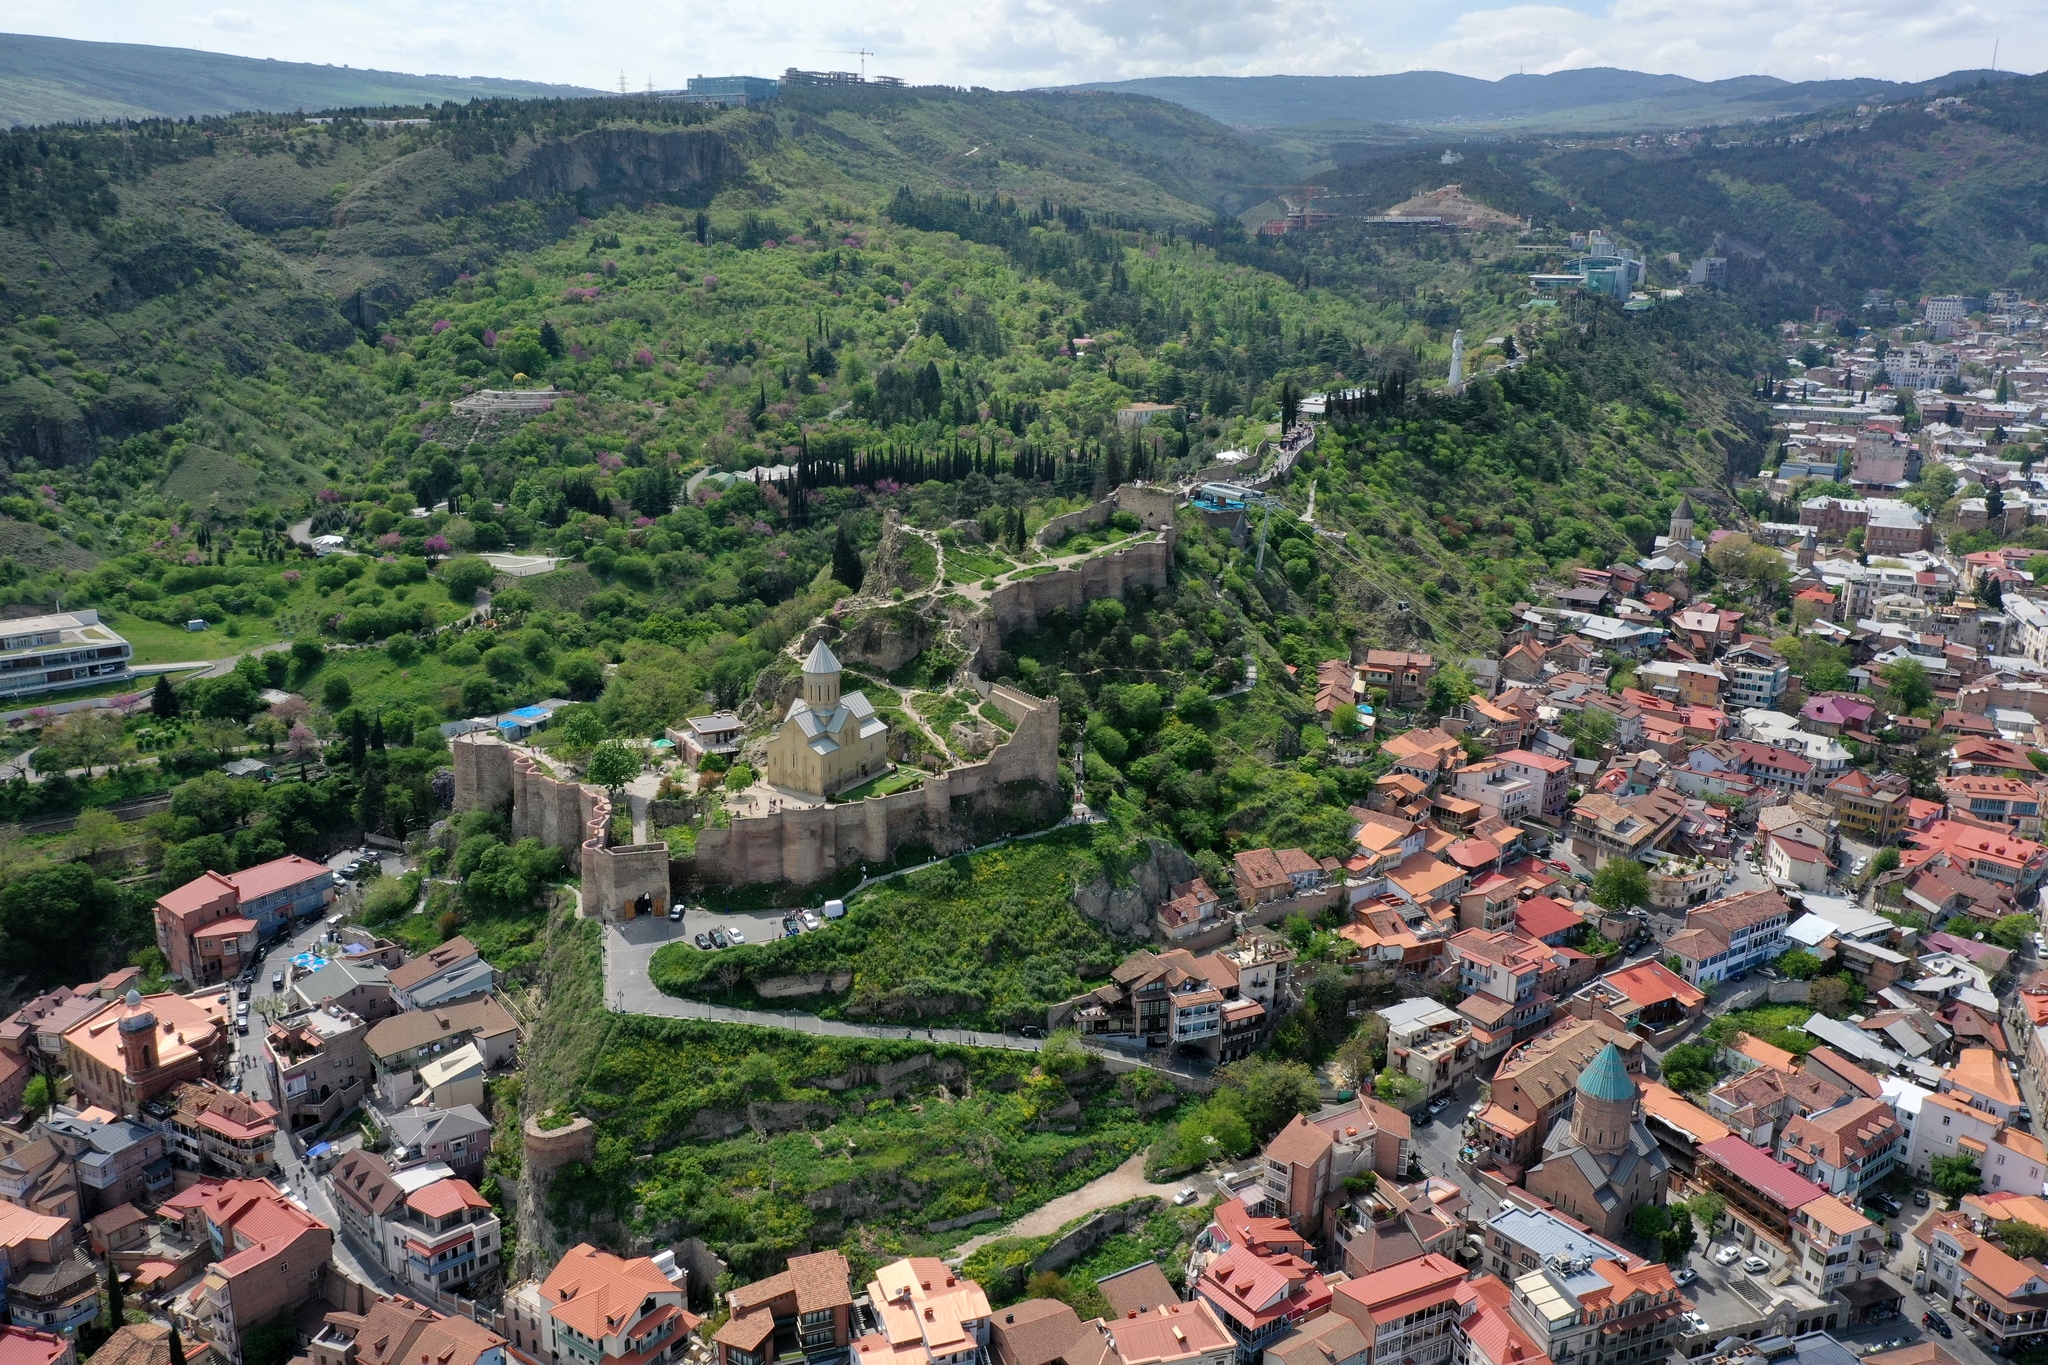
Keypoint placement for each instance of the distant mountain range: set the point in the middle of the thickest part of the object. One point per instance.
(62, 80)
(1591, 98)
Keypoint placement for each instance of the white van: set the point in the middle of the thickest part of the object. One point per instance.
(835, 909)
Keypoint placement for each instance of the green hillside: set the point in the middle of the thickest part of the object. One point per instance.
(63, 80)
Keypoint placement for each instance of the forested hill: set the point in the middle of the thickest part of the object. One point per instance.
(1578, 100)
(63, 80)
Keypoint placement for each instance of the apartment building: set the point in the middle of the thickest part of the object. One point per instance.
(1757, 676)
(1408, 1313)
(1305, 1164)
(1603, 1312)
(319, 1061)
(1761, 1195)
(926, 1313)
(1836, 1247)
(1551, 776)
(1429, 1043)
(35, 1174)
(1870, 807)
(1848, 1150)
(1605, 827)
(271, 1253)
(1729, 936)
(595, 1308)
(807, 1309)
(1946, 1125)
(209, 928)
(1518, 1240)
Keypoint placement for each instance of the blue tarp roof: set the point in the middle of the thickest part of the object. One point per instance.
(320, 1149)
(530, 714)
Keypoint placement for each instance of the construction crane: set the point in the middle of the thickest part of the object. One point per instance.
(860, 52)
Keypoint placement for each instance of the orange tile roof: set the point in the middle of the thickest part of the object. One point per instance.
(1763, 1053)
(598, 1293)
(445, 1197)
(1837, 1217)
(1979, 1071)
(1661, 1102)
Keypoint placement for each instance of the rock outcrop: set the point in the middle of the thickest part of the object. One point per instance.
(892, 565)
(1127, 910)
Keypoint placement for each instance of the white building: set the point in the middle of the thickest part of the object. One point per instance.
(1429, 1043)
(63, 650)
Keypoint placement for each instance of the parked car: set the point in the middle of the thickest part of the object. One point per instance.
(1684, 1276)
(1939, 1323)
(736, 936)
(811, 920)
(1920, 1199)
(702, 941)
(277, 981)
(1889, 1203)
(675, 913)
(1031, 1031)
(1727, 1255)
(718, 938)
(1755, 1265)
(1185, 1196)
(1438, 1106)
(242, 1026)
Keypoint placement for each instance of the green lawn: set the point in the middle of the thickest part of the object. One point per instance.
(157, 643)
(901, 779)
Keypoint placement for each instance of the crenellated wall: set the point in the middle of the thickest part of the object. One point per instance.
(1017, 783)
(564, 815)
(1153, 507)
(1021, 604)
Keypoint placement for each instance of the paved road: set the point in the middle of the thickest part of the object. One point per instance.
(629, 950)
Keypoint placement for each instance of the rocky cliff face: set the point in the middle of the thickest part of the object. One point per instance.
(1126, 910)
(892, 566)
(885, 638)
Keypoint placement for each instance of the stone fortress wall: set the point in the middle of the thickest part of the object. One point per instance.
(808, 845)
(566, 815)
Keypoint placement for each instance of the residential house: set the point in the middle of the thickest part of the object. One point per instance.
(2001, 1298)
(1408, 1313)
(1604, 827)
(116, 1161)
(1550, 775)
(1647, 999)
(1980, 1079)
(361, 987)
(37, 1175)
(442, 976)
(50, 1284)
(399, 1046)
(1757, 676)
(807, 1309)
(1848, 1150)
(1429, 1043)
(1869, 806)
(1331, 1339)
(1794, 862)
(272, 1253)
(458, 1138)
(2006, 1157)
(397, 1331)
(1404, 676)
(595, 1308)
(26, 1346)
(216, 1131)
(1839, 1251)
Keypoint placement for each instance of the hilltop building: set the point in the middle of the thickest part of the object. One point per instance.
(828, 741)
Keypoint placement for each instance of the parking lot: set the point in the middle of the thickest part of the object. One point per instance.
(758, 926)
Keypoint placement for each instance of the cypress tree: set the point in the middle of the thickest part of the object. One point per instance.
(163, 698)
(177, 1346)
(846, 565)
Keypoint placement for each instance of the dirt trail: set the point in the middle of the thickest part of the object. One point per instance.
(1120, 1186)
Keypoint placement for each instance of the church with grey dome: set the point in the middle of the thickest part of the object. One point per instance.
(1601, 1162)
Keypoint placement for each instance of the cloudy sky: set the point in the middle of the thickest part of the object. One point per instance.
(1011, 43)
